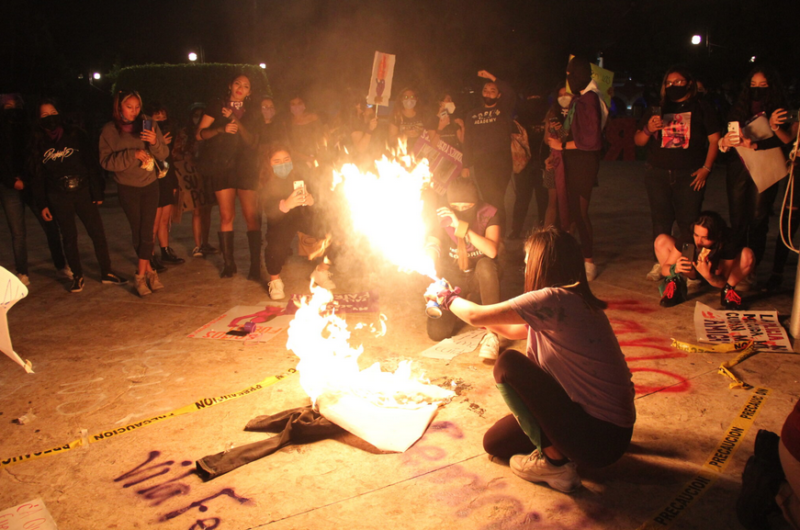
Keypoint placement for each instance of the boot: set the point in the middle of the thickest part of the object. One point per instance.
(226, 246)
(153, 281)
(156, 264)
(254, 241)
(141, 285)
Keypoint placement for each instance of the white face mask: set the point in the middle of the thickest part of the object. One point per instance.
(564, 101)
(450, 107)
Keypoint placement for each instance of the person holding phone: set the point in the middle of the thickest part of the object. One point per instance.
(681, 143)
(128, 145)
(446, 125)
(713, 256)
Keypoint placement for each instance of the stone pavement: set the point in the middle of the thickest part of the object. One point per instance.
(105, 359)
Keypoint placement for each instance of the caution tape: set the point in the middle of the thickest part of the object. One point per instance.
(745, 348)
(105, 435)
(713, 467)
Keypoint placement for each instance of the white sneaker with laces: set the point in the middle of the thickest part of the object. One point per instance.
(591, 270)
(655, 273)
(276, 289)
(323, 279)
(535, 468)
(64, 274)
(24, 279)
(490, 347)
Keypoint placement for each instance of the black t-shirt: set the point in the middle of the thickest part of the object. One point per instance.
(230, 147)
(411, 128)
(683, 142)
(449, 134)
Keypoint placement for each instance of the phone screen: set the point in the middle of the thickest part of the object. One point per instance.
(147, 125)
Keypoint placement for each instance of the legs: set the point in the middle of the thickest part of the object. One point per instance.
(227, 210)
(201, 225)
(14, 208)
(249, 202)
(89, 214)
(523, 190)
(140, 205)
(659, 194)
(492, 173)
(581, 168)
(62, 206)
(551, 215)
(737, 269)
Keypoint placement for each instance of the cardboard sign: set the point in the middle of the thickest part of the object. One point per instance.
(269, 319)
(380, 85)
(13, 291)
(28, 515)
(444, 161)
(723, 327)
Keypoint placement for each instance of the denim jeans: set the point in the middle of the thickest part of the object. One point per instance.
(672, 200)
(14, 207)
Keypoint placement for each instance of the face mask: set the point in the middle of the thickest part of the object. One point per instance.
(282, 170)
(564, 101)
(409, 103)
(268, 113)
(450, 107)
(51, 122)
(758, 93)
(489, 101)
(298, 110)
(674, 92)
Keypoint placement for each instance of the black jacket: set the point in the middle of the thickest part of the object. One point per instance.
(14, 130)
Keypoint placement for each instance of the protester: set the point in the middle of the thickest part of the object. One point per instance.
(487, 142)
(270, 129)
(167, 191)
(581, 151)
(469, 231)
(65, 183)
(749, 210)
(554, 163)
(306, 133)
(446, 125)
(370, 135)
(128, 146)
(228, 158)
(407, 121)
(289, 209)
(571, 396)
(15, 191)
(681, 136)
(714, 257)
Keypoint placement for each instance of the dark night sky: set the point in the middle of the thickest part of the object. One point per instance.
(325, 45)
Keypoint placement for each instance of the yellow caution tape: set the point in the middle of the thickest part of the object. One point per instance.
(105, 435)
(746, 349)
(713, 467)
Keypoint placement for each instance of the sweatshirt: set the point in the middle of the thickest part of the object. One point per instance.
(118, 155)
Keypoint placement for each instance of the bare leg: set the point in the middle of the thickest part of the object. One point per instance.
(551, 214)
(737, 269)
(163, 221)
(227, 208)
(156, 223)
(249, 202)
(205, 226)
(197, 226)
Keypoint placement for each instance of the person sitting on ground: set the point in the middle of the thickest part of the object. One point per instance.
(470, 230)
(715, 259)
(573, 387)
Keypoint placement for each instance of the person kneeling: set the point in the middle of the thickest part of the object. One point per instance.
(471, 230)
(572, 387)
(713, 258)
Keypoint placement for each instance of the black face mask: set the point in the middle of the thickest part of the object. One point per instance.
(758, 93)
(51, 122)
(674, 92)
(489, 101)
(469, 215)
(163, 125)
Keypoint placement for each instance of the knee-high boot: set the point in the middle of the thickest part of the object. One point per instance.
(226, 246)
(254, 241)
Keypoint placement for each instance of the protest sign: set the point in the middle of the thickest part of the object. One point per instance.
(363, 302)
(13, 291)
(269, 320)
(444, 161)
(380, 85)
(766, 166)
(722, 327)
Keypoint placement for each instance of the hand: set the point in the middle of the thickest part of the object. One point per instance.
(731, 140)
(373, 123)
(700, 177)
(683, 265)
(446, 213)
(747, 143)
(142, 156)
(777, 118)
(486, 75)
(46, 215)
(309, 199)
(149, 137)
(295, 199)
(168, 138)
(226, 112)
(549, 163)
(232, 128)
(703, 267)
(18, 184)
(555, 144)
(655, 124)
(465, 173)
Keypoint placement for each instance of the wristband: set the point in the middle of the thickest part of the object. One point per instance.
(647, 130)
(707, 168)
(672, 270)
(448, 297)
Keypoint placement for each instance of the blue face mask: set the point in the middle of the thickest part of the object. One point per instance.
(282, 170)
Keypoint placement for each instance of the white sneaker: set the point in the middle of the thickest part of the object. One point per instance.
(490, 347)
(276, 289)
(64, 274)
(24, 279)
(655, 273)
(323, 279)
(693, 286)
(591, 270)
(536, 468)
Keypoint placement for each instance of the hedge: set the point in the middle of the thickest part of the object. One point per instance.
(178, 86)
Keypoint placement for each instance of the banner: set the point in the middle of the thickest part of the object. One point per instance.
(13, 291)
(380, 85)
(444, 161)
(246, 324)
(722, 327)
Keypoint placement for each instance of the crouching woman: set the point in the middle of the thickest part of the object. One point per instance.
(571, 393)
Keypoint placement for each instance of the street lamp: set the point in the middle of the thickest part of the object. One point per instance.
(192, 56)
(697, 39)
(263, 65)
(96, 76)
(753, 59)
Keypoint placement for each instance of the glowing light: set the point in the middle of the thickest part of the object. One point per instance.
(192, 56)
(753, 59)
(263, 65)
(96, 75)
(696, 39)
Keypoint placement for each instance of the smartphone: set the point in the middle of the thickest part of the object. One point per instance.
(147, 125)
(688, 251)
(299, 184)
(792, 116)
(657, 111)
(733, 127)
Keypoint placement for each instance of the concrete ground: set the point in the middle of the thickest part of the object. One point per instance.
(105, 358)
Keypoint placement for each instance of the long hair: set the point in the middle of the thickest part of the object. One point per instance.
(119, 98)
(230, 84)
(776, 96)
(555, 260)
(714, 223)
(398, 102)
(267, 152)
(691, 85)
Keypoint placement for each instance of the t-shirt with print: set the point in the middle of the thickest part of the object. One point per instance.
(576, 346)
(683, 143)
(411, 128)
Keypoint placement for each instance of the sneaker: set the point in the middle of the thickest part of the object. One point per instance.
(141, 285)
(490, 346)
(77, 284)
(65, 274)
(674, 293)
(591, 270)
(730, 299)
(276, 289)
(24, 279)
(655, 273)
(693, 286)
(197, 252)
(536, 468)
(153, 281)
(112, 279)
(323, 279)
(156, 264)
(168, 256)
(207, 249)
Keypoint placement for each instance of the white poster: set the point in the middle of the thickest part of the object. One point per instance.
(13, 291)
(380, 85)
(768, 166)
(722, 327)
(247, 324)
(27, 516)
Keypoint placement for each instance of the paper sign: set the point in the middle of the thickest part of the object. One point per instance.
(449, 348)
(13, 291)
(604, 79)
(766, 166)
(270, 320)
(723, 327)
(444, 161)
(27, 516)
(380, 85)
(364, 302)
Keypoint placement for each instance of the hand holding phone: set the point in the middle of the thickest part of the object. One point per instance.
(147, 125)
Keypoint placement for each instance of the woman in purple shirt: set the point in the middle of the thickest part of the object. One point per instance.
(572, 387)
